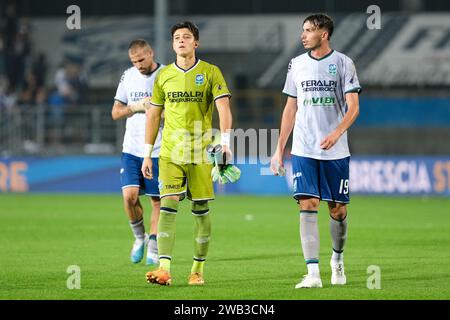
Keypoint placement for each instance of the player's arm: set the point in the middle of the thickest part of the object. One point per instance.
(226, 120)
(153, 119)
(121, 110)
(228, 173)
(287, 124)
(222, 96)
(352, 99)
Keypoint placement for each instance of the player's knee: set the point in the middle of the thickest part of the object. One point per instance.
(338, 211)
(156, 203)
(130, 199)
(169, 205)
(200, 207)
(309, 204)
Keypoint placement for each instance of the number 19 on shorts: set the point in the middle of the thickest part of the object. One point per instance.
(343, 187)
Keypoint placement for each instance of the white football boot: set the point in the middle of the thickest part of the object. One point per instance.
(337, 273)
(310, 281)
(137, 252)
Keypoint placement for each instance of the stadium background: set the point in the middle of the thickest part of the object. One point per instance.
(59, 140)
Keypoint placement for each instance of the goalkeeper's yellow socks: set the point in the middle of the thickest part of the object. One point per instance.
(164, 263)
(166, 231)
(202, 234)
(197, 266)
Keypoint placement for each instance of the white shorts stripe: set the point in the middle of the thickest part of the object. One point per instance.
(131, 185)
(306, 194)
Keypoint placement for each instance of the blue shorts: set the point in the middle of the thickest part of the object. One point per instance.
(324, 179)
(131, 175)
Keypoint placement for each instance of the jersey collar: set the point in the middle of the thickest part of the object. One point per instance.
(197, 60)
(324, 57)
(152, 72)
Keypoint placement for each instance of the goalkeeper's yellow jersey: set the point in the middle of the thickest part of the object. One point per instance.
(188, 99)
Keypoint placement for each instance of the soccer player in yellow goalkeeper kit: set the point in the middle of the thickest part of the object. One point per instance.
(188, 90)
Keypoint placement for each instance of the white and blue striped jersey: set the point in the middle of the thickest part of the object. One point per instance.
(133, 87)
(320, 86)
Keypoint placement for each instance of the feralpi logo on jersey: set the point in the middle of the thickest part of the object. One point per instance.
(319, 85)
(138, 95)
(185, 96)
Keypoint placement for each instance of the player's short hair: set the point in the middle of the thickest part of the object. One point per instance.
(188, 25)
(321, 21)
(138, 43)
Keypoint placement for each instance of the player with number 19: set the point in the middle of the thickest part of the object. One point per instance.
(322, 103)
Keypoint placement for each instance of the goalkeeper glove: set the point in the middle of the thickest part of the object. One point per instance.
(229, 174)
(222, 172)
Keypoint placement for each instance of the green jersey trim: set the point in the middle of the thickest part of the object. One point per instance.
(289, 95)
(319, 59)
(120, 101)
(357, 90)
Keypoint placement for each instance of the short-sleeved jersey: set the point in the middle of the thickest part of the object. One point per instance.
(320, 86)
(188, 98)
(133, 87)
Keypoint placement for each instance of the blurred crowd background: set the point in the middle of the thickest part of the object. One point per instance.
(57, 85)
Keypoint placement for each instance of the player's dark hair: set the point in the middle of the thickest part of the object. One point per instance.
(188, 25)
(321, 21)
(138, 43)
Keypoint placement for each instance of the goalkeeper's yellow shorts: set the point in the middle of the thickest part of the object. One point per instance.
(191, 180)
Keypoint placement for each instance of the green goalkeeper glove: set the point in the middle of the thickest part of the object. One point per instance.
(224, 173)
(229, 174)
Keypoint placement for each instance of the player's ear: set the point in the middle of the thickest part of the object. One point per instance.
(196, 44)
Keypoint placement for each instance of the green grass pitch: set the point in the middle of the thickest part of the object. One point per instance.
(255, 252)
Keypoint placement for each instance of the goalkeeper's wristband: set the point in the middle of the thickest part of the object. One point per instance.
(225, 139)
(148, 148)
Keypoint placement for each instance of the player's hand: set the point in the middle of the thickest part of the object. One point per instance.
(141, 105)
(276, 164)
(227, 154)
(146, 168)
(330, 140)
